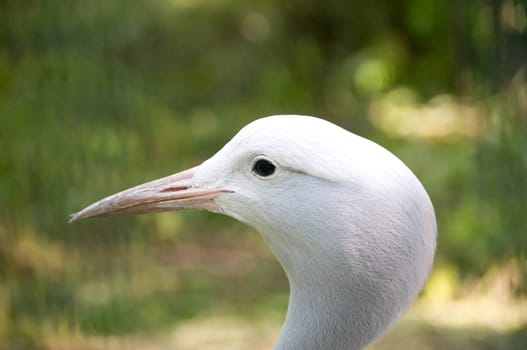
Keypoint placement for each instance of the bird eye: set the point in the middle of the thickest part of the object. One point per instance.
(264, 168)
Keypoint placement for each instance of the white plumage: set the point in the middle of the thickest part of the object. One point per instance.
(351, 225)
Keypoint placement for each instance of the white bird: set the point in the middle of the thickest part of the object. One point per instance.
(352, 226)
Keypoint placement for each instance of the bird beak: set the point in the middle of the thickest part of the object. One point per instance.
(174, 192)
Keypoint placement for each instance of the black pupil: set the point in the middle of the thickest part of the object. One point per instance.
(264, 167)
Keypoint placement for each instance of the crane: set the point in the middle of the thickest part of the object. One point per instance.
(351, 225)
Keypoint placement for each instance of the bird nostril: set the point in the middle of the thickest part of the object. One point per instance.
(175, 188)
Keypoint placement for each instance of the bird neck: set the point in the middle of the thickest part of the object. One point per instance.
(350, 284)
(331, 305)
(353, 265)
(322, 316)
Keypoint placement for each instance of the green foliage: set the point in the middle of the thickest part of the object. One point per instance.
(96, 96)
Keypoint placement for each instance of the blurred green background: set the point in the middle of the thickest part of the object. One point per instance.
(96, 96)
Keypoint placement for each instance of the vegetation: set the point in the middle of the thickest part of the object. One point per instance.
(96, 96)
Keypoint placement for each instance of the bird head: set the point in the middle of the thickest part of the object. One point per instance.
(257, 166)
(346, 218)
(304, 183)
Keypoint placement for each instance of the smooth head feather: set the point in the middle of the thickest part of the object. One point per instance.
(352, 226)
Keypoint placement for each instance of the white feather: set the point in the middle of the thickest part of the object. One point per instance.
(352, 226)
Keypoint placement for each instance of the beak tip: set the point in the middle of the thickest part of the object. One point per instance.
(74, 217)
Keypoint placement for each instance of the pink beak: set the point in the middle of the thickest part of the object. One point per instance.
(173, 192)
